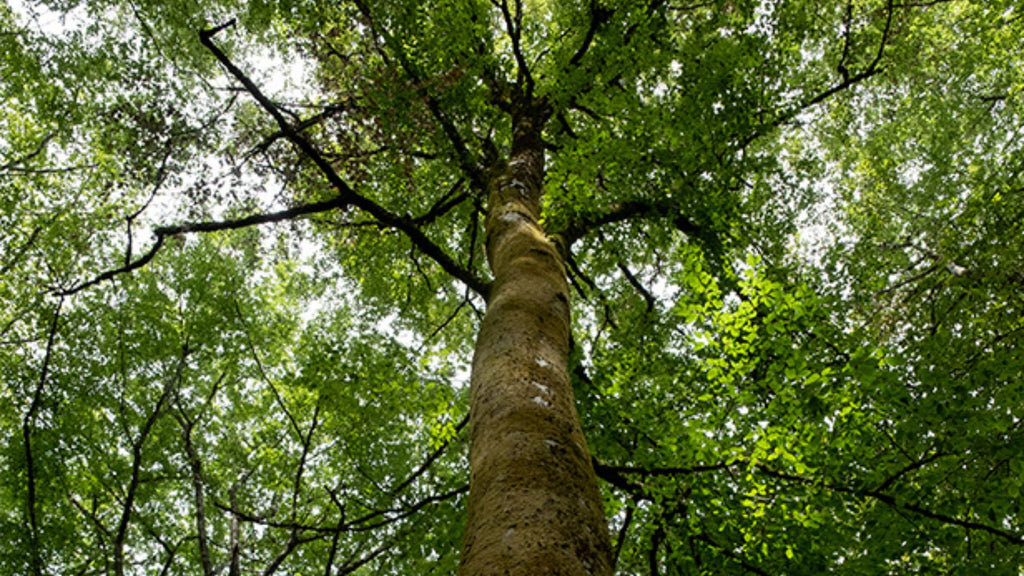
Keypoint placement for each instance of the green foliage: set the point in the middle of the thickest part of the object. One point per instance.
(797, 280)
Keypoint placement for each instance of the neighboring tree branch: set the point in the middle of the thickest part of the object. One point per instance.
(307, 441)
(11, 166)
(618, 476)
(128, 506)
(266, 378)
(26, 431)
(20, 251)
(198, 485)
(623, 531)
(430, 459)
(234, 534)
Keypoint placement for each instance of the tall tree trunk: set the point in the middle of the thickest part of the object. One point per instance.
(534, 506)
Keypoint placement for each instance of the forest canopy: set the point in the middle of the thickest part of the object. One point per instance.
(732, 286)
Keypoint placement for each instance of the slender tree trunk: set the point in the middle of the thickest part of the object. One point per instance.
(534, 506)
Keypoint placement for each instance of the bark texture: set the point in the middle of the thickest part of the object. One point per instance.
(534, 506)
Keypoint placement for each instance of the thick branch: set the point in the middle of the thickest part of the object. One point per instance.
(598, 17)
(345, 192)
(629, 210)
(346, 197)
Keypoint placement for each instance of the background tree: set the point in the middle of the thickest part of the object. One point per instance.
(245, 267)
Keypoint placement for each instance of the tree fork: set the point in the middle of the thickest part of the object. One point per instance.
(534, 505)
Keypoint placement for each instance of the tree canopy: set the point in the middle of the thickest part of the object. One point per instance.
(244, 260)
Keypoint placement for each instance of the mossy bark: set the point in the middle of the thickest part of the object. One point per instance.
(534, 505)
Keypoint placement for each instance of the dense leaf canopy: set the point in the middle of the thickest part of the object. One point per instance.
(242, 268)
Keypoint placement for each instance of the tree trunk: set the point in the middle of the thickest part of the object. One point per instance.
(534, 506)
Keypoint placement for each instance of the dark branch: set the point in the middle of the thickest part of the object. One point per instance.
(346, 197)
(617, 212)
(635, 283)
(467, 161)
(618, 476)
(128, 507)
(848, 81)
(26, 430)
(403, 224)
(301, 126)
(514, 24)
(443, 205)
(631, 210)
(910, 468)
(430, 459)
(892, 501)
(598, 17)
(163, 232)
(38, 150)
(725, 551)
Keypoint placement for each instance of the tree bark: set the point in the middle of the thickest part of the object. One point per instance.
(534, 505)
